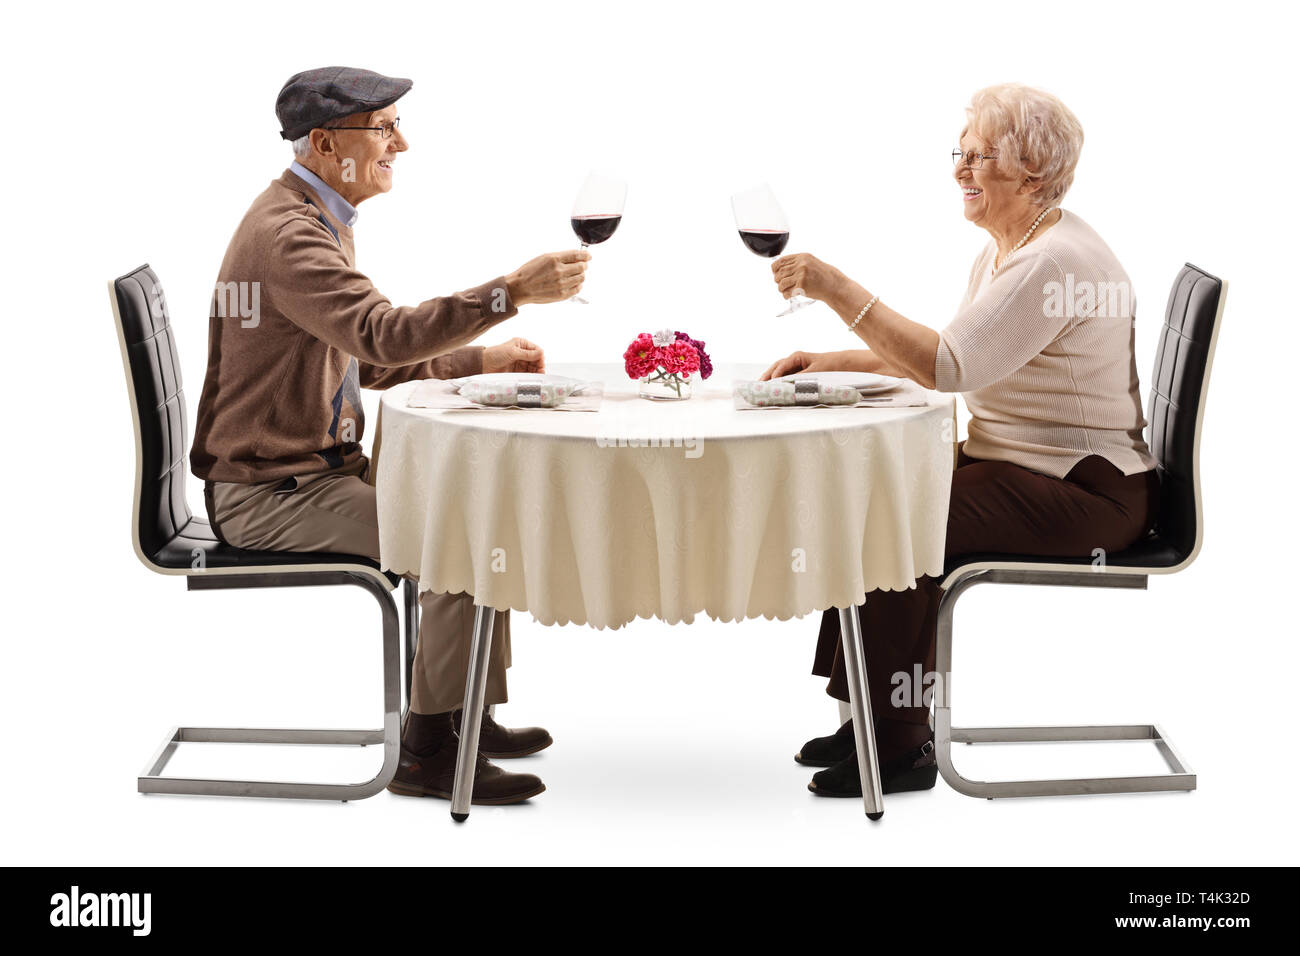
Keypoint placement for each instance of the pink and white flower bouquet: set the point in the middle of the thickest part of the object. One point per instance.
(664, 363)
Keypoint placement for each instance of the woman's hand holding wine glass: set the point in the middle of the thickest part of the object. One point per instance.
(802, 272)
(764, 230)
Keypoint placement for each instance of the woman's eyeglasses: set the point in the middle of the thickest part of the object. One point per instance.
(971, 158)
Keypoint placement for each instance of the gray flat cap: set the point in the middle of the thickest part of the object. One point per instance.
(314, 97)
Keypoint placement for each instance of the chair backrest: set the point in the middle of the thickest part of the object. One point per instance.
(153, 377)
(1178, 389)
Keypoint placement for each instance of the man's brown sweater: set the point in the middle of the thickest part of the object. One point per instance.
(296, 332)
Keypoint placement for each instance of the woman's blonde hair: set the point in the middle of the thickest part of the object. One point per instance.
(1035, 135)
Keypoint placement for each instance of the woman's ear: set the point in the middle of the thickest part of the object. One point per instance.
(1029, 185)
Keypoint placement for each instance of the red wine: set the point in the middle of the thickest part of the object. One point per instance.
(765, 242)
(594, 229)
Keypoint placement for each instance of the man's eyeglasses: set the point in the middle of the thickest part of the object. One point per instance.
(971, 158)
(385, 132)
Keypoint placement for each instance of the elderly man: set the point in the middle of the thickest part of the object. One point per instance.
(278, 438)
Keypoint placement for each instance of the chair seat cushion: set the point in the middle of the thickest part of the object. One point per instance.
(1151, 552)
(179, 553)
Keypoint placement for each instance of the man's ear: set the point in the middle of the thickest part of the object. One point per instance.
(321, 141)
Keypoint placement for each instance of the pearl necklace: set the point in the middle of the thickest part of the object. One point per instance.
(1023, 239)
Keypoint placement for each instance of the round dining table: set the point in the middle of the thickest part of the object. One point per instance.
(664, 509)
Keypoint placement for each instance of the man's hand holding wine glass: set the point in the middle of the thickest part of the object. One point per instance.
(552, 277)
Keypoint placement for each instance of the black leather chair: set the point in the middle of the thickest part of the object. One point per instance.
(170, 540)
(1176, 409)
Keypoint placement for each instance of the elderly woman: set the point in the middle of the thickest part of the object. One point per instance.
(1041, 349)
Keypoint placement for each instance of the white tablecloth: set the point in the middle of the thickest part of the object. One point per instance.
(664, 509)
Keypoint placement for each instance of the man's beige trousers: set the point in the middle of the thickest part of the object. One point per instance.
(335, 511)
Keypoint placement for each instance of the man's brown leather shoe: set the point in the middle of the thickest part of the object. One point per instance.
(500, 742)
(433, 775)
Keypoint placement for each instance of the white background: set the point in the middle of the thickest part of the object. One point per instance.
(141, 133)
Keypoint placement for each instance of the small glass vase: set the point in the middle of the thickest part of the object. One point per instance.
(664, 386)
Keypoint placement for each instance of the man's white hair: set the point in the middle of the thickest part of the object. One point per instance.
(301, 146)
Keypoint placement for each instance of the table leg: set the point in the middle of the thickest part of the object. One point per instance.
(411, 618)
(864, 729)
(462, 790)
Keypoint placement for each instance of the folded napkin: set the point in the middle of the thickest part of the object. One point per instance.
(795, 392)
(517, 394)
(467, 393)
(810, 393)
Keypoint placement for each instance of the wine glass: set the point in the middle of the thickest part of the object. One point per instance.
(764, 230)
(597, 212)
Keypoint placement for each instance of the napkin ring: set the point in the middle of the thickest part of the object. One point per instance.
(805, 392)
(528, 396)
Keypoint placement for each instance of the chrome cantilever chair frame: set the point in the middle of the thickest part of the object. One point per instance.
(1044, 573)
(152, 780)
(315, 570)
(1180, 776)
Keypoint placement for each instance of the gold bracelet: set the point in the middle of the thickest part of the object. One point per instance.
(865, 309)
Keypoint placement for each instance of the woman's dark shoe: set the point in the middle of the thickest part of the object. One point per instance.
(827, 751)
(914, 770)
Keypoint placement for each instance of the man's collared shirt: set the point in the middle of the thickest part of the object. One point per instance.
(339, 208)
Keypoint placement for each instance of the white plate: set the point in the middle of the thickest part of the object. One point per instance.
(867, 383)
(517, 378)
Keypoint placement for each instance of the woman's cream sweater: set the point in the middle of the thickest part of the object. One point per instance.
(1043, 355)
